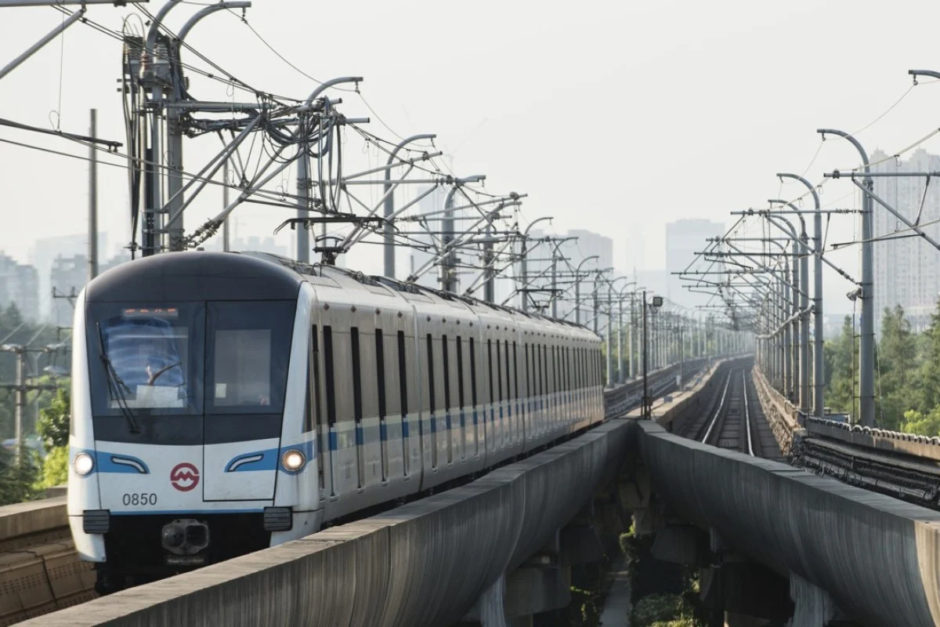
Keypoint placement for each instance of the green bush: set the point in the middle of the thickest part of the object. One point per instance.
(661, 610)
(53, 423)
(18, 479)
(55, 468)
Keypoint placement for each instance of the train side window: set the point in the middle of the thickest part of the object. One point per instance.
(499, 372)
(460, 370)
(549, 381)
(579, 353)
(402, 374)
(489, 368)
(380, 370)
(356, 374)
(540, 360)
(515, 370)
(569, 362)
(528, 371)
(430, 370)
(313, 382)
(507, 363)
(330, 379)
(446, 360)
(473, 373)
(556, 366)
(599, 365)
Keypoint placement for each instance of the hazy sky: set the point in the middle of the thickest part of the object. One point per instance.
(613, 116)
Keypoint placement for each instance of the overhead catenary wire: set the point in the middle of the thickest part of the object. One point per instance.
(249, 156)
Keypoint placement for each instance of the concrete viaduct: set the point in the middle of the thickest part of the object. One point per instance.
(498, 548)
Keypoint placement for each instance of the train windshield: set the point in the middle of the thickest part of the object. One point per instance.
(247, 351)
(151, 359)
(220, 358)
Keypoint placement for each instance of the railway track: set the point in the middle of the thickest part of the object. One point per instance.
(734, 419)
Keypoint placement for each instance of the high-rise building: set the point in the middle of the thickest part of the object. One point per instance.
(42, 255)
(906, 268)
(683, 239)
(19, 284)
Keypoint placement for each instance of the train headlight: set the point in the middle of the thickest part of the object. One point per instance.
(293, 460)
(83, 464)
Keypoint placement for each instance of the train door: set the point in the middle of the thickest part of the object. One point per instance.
(338, 367)
(368, 421)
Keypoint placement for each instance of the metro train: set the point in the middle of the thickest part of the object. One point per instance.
(227, 402)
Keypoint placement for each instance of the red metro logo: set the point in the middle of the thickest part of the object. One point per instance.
(184, 477)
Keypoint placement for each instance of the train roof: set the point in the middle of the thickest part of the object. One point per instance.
(203, 275)
(193, 276)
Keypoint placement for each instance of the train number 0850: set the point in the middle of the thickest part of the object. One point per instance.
(139, 498)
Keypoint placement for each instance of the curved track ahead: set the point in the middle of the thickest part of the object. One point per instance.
(734, 419)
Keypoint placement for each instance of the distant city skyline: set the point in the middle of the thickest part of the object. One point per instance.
(906, 268)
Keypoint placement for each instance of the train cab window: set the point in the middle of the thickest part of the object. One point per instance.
(380, 371)
(402, 374)
(329, 378)
(430, 369)
(148, 359)
(248, 348)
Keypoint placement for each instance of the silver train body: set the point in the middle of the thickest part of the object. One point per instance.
(224, 402)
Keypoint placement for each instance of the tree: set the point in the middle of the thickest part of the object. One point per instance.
(927, 392)
(53, 423)
(18, 479)
(916, 422)
(53, 428)
(841, 355)
(896, 361)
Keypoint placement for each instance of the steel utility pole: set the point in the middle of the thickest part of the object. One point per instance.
(866, 353)
(389, 205)
(93, 200)
(818, 372)
(21, 388)
(610, 333)
(577, 288)
(449, 260)
(489, 294)
(226, 233)
(174, 127)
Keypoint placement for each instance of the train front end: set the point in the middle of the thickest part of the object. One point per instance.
(187, 444)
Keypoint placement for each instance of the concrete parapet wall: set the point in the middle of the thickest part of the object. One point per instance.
(424, 563)
(876, 556)
(32, 517)
(781, 413)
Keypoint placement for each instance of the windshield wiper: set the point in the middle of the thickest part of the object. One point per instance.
(116, 385)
